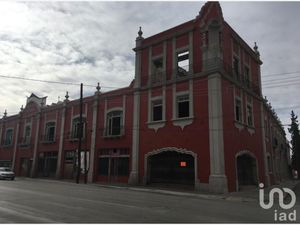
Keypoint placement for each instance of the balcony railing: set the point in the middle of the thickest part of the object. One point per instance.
(74, 136)
(113, 132)
(7, 143)
(24, 142)
(48, 139)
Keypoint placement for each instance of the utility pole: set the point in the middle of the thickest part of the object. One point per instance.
(79, 136)
(85, 159)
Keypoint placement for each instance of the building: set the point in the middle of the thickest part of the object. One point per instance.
(193, 115)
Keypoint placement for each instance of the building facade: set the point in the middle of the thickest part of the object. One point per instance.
(193, 115)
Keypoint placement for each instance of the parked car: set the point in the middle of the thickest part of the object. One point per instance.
(6, 173)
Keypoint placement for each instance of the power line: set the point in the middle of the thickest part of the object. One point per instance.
(54, 82)
(279, 74)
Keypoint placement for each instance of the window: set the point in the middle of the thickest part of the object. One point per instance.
(114, 123)
(123, 166)
(247, 76)
(249, 115)
(238, 110)
(157, 110)
(157, 69)
(183, 63)
(103, 166)
(27, 134)
(50, 131)
(8, 137)
(236, 68)
(183, 106)
(70, 157)
(76, 128)
(113, 162)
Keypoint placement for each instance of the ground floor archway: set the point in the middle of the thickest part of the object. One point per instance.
(246, 167)
(171, 166)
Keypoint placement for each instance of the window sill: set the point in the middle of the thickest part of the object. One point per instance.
(156, 124)
(7, 146)
(239, 125)
(113, 136)
(251, 129)
(48, 142)
(182, 122)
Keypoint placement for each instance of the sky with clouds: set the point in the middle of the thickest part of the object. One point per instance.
(92, 42)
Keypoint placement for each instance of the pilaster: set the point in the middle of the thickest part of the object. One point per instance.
(93, 138)
(217, 178)
(13, 166)
(134, 173)
(61, 141)
(36, 143)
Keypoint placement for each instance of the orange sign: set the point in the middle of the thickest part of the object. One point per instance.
(182, 164)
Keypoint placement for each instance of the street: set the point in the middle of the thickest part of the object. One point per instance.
(49, 201)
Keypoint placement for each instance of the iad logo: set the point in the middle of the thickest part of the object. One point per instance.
(282, 215)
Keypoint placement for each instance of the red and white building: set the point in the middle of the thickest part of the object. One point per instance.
(194, 115)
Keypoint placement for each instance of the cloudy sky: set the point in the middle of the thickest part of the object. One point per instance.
(92, 42)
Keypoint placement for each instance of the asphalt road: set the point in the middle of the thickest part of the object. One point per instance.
(46, 201)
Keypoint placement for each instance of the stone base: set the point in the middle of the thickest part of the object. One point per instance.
(133, 178)
(201, 186)
(267, 180)
(90, 177)
(218, 184)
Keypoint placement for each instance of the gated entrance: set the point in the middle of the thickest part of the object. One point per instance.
(246, 170)
(171, 167)
(47, 164)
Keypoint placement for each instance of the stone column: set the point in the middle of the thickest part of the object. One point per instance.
(264, 148)
(60, 155)
(217, 178)
(13, 166)
(36, 143)
(93, 138)
(134, 174)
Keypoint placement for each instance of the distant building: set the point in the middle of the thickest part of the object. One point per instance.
(193, 115)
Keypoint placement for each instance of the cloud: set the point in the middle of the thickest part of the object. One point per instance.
(92, 42)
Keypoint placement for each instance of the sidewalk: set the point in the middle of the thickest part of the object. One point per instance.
(252, 193)
(247, 194)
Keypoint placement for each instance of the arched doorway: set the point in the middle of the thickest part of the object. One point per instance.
(246, 169)
(172, 167)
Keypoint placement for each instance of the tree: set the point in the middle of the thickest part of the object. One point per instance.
(295, 141)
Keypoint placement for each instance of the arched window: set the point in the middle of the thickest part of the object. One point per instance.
(76, 128)
(114, 123)
(50, 131)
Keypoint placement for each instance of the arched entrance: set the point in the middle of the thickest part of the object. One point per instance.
(171, 166)
(246, 166)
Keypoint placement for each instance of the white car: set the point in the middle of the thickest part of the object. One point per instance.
(6, 173)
